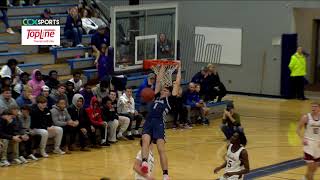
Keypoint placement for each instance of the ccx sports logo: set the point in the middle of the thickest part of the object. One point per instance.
(40, 32)
(40, 22)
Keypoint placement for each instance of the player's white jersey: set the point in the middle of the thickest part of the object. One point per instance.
(312, 136)
(233, 163)
(150, 165)
(312, 129)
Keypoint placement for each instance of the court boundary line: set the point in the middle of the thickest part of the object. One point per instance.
(275, 168)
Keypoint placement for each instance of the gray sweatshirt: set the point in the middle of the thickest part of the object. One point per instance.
(59, 117)
(5, 104)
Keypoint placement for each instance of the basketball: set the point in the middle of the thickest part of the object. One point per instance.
(147, 94)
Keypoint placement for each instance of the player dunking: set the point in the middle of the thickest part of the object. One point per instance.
(311, 139)
(153, 128)
(237, 161)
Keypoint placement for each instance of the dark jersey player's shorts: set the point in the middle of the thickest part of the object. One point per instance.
(155, 128)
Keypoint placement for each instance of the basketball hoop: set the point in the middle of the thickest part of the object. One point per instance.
(169, 67)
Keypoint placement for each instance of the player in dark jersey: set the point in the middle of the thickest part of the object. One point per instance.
(153, 128)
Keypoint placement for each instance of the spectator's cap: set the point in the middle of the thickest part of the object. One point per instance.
(230, 106)
(151, 76)
(6, 112)
(47, 11)
(45, 88)
(6, 77)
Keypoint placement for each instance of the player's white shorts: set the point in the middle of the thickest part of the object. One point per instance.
(231, 178)
(312, 149)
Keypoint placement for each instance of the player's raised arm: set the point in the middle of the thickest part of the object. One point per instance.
(176, 86)
(159, 77)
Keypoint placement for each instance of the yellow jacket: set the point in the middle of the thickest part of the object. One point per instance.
(297, 65)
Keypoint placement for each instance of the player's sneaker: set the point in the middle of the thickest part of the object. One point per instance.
(166, 177)
(23, 160)
(32, 157)
(144, 167)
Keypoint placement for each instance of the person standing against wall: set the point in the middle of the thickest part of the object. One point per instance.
(298, 70)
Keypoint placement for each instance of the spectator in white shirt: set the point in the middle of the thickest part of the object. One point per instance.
(87, 23)
(76, 80)
(11, 70)
(126, 107)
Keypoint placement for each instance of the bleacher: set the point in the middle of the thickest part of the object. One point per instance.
(64, 60)
(61, 59)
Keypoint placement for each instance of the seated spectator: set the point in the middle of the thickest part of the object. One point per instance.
(149, 82)
(109, 115)
(97, 20)
(46, 93)
(86, 130)
(36, 82)
(46, 14)
(60, 93)
(41, 123)
(126, 107)
(70, 91)
(28, 148)
(217, 89)
(6, 81)
(11, 70)
(95, 115)
(73, 28)
(4, 18)
(230, 122)
(104, 62)
(10, 133)
(6, 99)
(87, 94)
(23, 80)
(123, 121)
(61, 118)
(165, 50)
(99, 38)
(176, 103)
(101, 90)
(25, 98)
(88, 25)
(192, 102)
(53, 81)
(200, 76)
(77, 82)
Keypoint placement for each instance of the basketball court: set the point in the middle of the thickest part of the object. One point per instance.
(269, 124)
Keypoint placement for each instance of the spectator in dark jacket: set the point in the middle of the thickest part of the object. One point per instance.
(86, 130)
(45, 91)
(70, 91)
(216, 87)
(41, 123)
(102, 36)
(53, 81)
(11, 131)
(110, 115)
(198, 77)
(73, 29)
(192, 102)
(87, 94)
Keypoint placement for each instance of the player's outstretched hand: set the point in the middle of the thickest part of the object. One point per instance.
(216, 170)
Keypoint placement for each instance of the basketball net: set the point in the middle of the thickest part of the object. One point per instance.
(166, 79)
